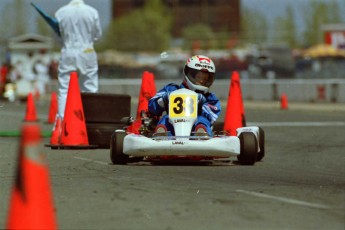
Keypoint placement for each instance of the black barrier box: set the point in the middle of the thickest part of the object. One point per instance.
(103, 113)
(102, 107)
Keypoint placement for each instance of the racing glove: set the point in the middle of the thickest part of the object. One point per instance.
(165, 98)
(201, 99)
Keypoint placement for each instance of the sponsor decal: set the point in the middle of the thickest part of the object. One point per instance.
(180, 120)
(177, 143)
(203, 66)
(204, 60)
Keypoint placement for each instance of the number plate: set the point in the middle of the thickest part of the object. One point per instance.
(183, 106)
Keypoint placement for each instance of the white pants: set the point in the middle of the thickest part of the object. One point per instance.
(83, 61)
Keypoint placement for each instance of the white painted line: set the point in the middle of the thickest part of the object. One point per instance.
(297, 124)
(101, 162)
(284, 199)
(90, 160)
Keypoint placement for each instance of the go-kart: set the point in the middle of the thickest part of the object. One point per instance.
(247, 146)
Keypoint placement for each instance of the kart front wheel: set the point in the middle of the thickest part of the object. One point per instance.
(116, 148)
(261, 153)
(249, 146)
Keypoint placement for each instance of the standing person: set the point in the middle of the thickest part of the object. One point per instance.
(198, 75)
(42, 77)
(79, 28)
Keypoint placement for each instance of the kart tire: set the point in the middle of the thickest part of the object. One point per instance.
(116, 148)
(99, 134)
(261, 153)
(105, 107)
(249, 146)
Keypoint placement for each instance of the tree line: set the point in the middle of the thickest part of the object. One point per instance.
(148, 28)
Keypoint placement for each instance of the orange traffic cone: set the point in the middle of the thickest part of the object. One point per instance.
(31, 204)
(234, 117)
(56, 134)
(147, 91)
(284, 101)
(74, 128)
(31, 114)
(53, 108)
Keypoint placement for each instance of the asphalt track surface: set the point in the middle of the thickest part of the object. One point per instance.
(300, 184)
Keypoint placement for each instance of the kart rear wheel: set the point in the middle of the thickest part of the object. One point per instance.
(116, 148)
(249, 146)
(261, 153)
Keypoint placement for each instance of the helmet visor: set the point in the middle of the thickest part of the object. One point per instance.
(199, 77)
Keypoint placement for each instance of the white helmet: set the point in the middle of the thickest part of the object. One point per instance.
(199, 73)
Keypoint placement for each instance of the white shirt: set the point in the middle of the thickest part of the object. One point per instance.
(79, 24)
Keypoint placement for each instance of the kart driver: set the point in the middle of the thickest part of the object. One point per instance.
(198, 75)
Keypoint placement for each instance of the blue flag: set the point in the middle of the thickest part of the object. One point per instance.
(52, 22)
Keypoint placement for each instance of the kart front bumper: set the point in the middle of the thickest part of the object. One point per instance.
(141, 146)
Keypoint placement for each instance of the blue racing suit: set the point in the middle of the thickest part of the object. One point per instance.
(208, 104)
